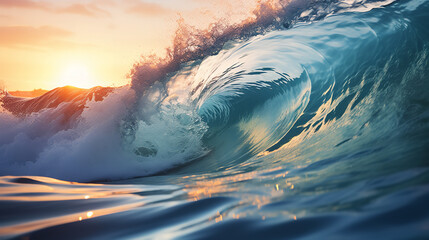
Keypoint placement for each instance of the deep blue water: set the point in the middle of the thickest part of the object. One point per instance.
(315, 129)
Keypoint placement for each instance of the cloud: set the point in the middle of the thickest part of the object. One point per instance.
(148, 9)
(89, 10)
(109, 3)
(26, 36)
(23, 4)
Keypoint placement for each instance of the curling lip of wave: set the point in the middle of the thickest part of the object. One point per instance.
(190, 43)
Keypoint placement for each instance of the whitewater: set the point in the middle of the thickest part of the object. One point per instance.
(308, 120)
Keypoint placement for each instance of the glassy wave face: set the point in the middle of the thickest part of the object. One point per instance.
(309, 121)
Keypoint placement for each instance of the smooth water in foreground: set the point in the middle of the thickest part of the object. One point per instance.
(315, 131)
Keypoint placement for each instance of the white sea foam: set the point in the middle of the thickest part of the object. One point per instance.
(93, 149)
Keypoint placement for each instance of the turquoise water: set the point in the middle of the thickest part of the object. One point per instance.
(314, 129)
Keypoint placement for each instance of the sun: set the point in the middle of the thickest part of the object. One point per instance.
(77, 75)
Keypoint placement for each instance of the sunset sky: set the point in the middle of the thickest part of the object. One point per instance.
(51, 43)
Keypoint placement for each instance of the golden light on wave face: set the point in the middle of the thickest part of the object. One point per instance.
(77, 75)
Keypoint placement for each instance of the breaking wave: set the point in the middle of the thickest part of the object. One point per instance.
(353, 70)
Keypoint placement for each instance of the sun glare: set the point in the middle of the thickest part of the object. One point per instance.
(77, 75)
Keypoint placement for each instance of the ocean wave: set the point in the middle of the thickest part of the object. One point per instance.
(291, 71)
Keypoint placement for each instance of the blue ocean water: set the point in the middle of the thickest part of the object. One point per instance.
(314, 126)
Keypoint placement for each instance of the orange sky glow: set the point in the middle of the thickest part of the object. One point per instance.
(49, 43)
